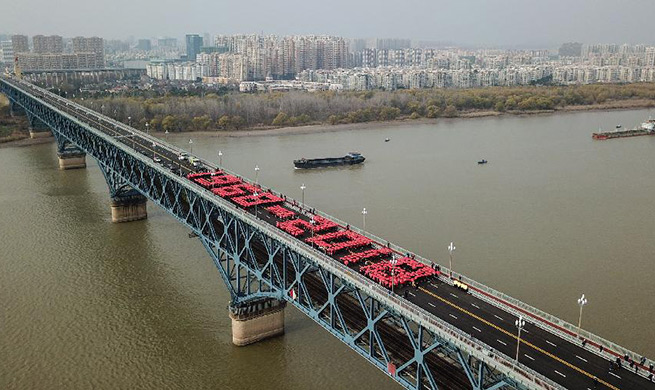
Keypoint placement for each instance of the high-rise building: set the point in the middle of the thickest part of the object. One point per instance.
(144, 44)
(93, 45)
(20, 44)
(7, 52)
(193, 45)
(167, 42)
(48, 44)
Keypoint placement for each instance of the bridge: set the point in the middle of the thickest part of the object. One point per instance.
(416, 320)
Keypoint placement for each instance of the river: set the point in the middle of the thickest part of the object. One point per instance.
(85, 303)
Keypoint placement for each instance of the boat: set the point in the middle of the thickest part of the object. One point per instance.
(387, 139)
(646, 128)
(482, 162)
(349, 159)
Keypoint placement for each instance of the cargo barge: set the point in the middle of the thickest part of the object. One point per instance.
(349, 159)
(646, 128)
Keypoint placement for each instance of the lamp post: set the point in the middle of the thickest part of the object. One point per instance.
(393, 272)
(147, 125)
(581, 302)
(129, 121)
(166, 135)
(520, 323)
(154, 150)
(451, 249)
(220, 158)
(190, 145)
(255, 195)
(256, 174)
(302, 188)
(364, 212)
(312, 222)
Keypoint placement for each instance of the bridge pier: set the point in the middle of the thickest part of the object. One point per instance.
(128, 207)
(71, 159)
(38, 129)
(257, 320)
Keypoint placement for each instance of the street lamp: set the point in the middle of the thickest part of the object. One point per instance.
(154, 150)
(166, 135)
(364, 212)
(147, 124)
(302, 188)
(581, 301)
(129, 121)
(520, 323)
(256, 174)
(451, 249)
(393, 269)
(220, 158)
(190, 146)
(255, 195)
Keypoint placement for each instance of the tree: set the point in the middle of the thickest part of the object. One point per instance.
(169, 123)
(201, 122)
(280, 120)
(237, 122)
(433, 111)
(224, 122)
(450, 112)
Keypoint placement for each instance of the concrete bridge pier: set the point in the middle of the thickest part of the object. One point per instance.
(71, 159)
(38, 129)
(257, 320)
(128, 207)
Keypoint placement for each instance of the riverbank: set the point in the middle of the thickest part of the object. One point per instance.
(325, 127)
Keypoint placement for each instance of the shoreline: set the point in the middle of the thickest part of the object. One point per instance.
(327, 128)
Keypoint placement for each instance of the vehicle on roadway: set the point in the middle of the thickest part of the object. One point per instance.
(183, 156)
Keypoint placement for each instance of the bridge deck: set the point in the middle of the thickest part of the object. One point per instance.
(548, 352)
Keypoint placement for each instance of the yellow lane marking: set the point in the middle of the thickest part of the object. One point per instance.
(512, 335)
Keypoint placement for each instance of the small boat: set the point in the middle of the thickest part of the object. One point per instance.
(387, 139)
(482, 162)
(349, 159)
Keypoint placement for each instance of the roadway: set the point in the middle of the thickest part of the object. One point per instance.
(574, 366)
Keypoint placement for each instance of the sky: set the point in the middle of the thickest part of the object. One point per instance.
(490, 23)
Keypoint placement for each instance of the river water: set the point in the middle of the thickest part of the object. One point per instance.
(85, 303)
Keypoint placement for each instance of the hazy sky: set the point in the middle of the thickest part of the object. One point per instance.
(472, 22)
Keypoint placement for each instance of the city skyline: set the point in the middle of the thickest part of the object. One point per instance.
(473, 23)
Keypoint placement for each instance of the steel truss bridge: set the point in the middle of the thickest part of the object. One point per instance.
(433, 336)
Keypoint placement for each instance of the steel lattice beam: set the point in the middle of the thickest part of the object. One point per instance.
(254, 264)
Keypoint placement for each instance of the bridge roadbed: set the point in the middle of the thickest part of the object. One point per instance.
(574, 366)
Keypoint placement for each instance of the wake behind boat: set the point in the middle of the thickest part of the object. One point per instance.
(349, 159)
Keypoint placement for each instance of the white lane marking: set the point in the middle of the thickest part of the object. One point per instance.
(454, 295)
(529, 357)
(474, 305)
(551, 343)
(452, 316)
(411, 293)
(431, 304)
(611, 373)
(525, 330)
(477, 329)
(560, 373)
(583, 359)
(434, 285)
(500, 318)
(502, 342)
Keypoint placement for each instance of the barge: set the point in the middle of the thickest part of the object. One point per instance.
(646, 128)
(349, 159)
